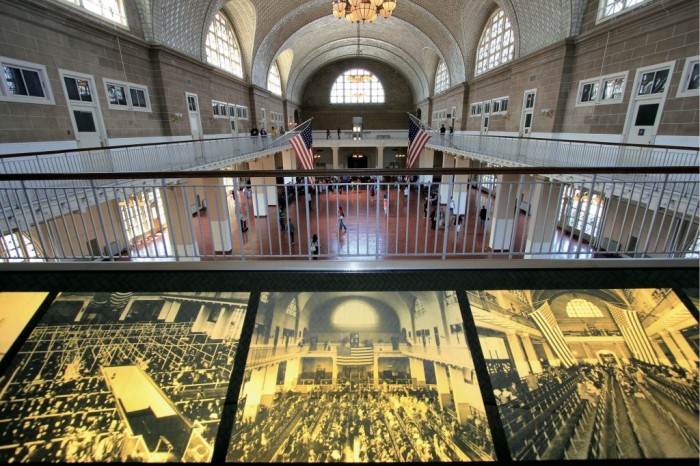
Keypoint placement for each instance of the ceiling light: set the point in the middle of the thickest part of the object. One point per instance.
(363, 10)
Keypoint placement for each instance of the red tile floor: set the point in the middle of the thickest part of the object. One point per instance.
(404, 232)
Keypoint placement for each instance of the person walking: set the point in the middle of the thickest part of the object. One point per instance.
(482, 216)
(371, 192)
(291, 229)
(386, 203)
(460, 220)
(328, 133)
(341, 216)
(338, 133)
(315, 246)
(308, 199)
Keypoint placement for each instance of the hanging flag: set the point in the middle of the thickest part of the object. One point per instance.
(417, 139)
(303, 146)
(349, 356)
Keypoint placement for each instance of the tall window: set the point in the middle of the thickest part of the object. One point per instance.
(357, 86)
(442, 79)
(112, 10)
(610, 8)
(222, 48)
(497, 43)
(274, 84)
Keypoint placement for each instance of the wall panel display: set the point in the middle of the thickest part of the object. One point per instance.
(591, 374)
(360, 377)
(16, 309)
(122, 377)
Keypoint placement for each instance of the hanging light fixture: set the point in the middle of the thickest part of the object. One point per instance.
(363, 10)
(358, 76)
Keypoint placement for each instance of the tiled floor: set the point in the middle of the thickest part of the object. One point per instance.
(404, 233)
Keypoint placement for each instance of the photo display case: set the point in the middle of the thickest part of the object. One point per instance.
(315, 366)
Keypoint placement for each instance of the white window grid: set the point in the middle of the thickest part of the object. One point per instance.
(25, 82)
(112, 10)
(122, 95)
(476, 109)
(219, 109)
(442, 78)
(608, 89)
(690, 79)
(499, 105)
(357, 86)
(610, 8)
(222, 48)
(497, 43)
(241, 112)
(274, 83)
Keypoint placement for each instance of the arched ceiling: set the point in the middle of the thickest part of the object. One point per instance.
(303, 36)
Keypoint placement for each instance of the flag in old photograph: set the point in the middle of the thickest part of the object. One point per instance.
(417, 139)
(351, 356)
(303, 147)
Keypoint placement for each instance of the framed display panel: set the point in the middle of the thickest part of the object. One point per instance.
(284, 299)
(16, 310)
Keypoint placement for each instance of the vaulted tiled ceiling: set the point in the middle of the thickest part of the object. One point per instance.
(303, 36)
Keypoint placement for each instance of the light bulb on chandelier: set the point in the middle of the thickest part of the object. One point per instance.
(363, 10)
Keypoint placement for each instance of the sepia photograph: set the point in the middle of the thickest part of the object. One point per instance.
(360, 377)
(122, 377)
(16, 309)
(592, 374)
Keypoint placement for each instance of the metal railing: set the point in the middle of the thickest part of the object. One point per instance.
(549, 212)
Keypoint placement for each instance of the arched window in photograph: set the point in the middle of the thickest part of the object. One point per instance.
(274, 83)
(442, 78)
(357, 86)
(497, 43)
(222, 48)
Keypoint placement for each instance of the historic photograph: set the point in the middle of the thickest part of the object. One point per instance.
(360, 377)
(122, 377)
(592, 374)
(16, 309)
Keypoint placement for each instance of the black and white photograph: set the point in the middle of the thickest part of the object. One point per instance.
(122, 377)
(16, 309)
(592, 374)
(360, 377)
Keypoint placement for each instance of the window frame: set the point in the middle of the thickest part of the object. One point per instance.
(600, 83)
(127, 92)
(476, 109)
(217, 106)
(218, 57)
(600, 17)
(7, 96)
(499, 101)
(241, 112)
(344, 96)
(442, 78)
(490, 48)
(688, 67)
(122, 12)
(278, 82)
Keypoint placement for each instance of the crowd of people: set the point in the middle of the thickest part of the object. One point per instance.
(359, 424)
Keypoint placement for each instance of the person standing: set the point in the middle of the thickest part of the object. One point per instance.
(371, 193)
(341, 216)
(386, 202)
(328, 133)
(482, 216)
(291, 229)
(338, 133)
(281, 218)
(442, 130)
(315, 246)
(460, 220)
(452, 207)
(308, 199)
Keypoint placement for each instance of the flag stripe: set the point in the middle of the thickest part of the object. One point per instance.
(355, 356)
(302, 144)
(417, 139)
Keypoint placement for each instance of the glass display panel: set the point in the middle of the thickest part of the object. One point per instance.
(359, 377)
(122, 377)
(591, 374)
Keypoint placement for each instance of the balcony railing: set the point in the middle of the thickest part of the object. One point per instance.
(549, 212)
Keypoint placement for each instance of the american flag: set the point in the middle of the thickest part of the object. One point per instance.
(303, 146)
(417, 139)
(349, 356)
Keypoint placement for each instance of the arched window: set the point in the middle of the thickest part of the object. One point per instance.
(582, 308)
(274, 84)
(442, 79)
(357, 86)
(497, 43)
(112, 10)
(222, 48)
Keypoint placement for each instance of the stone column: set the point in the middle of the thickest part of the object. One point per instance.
(180, 228)
(443, 385)
(466, 394)
(264, 189)
(380, 157)
(291, 374)
(417, 371)
(253, 392)
(675, 350)
(218, 215)
(269, 385)
(516, 351)
(542, 227)
(505, 213)
(335, 156)
(532, 359)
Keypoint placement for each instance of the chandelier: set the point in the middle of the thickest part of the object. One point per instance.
(363, 10)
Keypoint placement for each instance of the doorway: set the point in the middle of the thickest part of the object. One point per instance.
(526, 119)
(646, 106)
(84, 109)
(194, 116)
